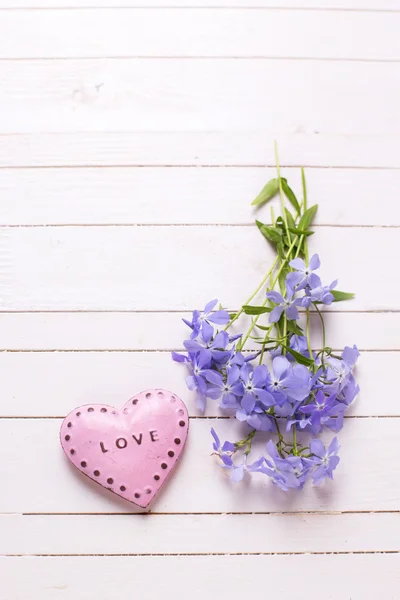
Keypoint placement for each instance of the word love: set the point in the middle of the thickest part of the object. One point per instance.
(122, 442)
(131, 452)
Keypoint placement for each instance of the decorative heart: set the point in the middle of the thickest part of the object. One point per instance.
(132, 451)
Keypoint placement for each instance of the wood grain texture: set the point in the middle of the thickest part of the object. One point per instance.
(193, 33)
(189, 195)
(197, 149)
(355, 5)
(362, 577)
(32, 381)
(154, 331)
(365, 480)
(114, 267)
(185, 534)
(202, 95)
(140, 134)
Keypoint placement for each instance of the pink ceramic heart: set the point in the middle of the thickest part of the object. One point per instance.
(132, 451)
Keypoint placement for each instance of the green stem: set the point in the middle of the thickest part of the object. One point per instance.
(265, 341)
(304, 186)
(246, 442)
(282, 197)
(322, 324)
(284, 332)
(294, 440)
(308, 333)
(253, 294)
(280, 436)
(254, 322)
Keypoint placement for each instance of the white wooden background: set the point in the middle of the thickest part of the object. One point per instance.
(132, 140)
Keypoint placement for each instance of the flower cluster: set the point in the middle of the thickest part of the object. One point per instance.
(300, 390)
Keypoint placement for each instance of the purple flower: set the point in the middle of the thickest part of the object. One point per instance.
(201, 373)
(234, 358)
(324, 460)
(216, 347)
(288, 382)
(337, 374)
(225, 451)
(254, 387)
(227, 389)
(324, 411)
(287, 305)
(349, 392)
(299, 344)
(286, 473)
(350, 355)
(304, 276)
(320, 294)
(220, 317)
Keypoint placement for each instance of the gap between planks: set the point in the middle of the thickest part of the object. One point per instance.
(194, 417)
(341, 552)
(205, 7)
(251, 224)
(197, 514)
(178, 57)
(186, 166)
(148, 350)
(174, 311)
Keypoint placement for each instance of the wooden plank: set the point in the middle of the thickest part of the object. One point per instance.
(133, 196)
(360, 577)
(197, 149)
(365, 481)
(199, 95)
(31, 381)
(179, 534)
(166, 332)
(119, 268)
(375, 5)
(213, 32)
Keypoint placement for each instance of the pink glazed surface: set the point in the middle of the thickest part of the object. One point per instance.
(131, 451)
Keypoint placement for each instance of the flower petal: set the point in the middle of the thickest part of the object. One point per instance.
(314, 262)
(275, 297)
(275, 314)
(298, 264)
(210, 305)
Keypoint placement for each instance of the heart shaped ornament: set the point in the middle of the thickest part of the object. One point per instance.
(131, 451)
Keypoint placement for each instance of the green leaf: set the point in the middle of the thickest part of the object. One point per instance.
(308, 217)
(270, 233)
(303, 360)
(282, 279)
(339, 296)
(255, 310)
(281, 250)
(262, 327)
(292, 327)
(232, 315)
(290, 195)
(269, 190)
(298, 231)
(289, 219)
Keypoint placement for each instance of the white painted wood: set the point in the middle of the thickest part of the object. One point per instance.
(166, 332)
(116, 268)
(189, 195)
(359, 577)
(375, 5)
(191, 33)
(367, 478)
(174, 534)
(92, 108)
(203, 95)
(31, 381)
(197, 149)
